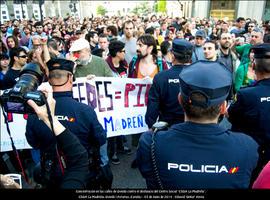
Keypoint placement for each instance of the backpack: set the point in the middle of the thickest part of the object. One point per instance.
(134, 60)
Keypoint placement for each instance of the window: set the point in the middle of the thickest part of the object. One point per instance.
(18, 16)
(19, 1)
(4, 12)
(3, 2)
(17, 12)
(35, 11)
(4, 17)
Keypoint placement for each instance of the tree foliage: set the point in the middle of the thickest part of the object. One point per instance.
(142, 8)
(162, 6)
(101, 10)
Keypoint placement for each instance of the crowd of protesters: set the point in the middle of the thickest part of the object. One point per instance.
(129, 46)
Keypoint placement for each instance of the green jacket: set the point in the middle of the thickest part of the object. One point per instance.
(243, 50)
(241, 79)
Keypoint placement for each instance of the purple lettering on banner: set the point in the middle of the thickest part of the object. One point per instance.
(78, 85)
(100, 96)
(90, 89)
(108, 95)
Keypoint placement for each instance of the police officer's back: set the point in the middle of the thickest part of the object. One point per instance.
(250, 113)
(199, 153)
(162, 100)
(79, 118)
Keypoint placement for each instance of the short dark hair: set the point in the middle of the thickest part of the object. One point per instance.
(197, 112)
(239, 19)
(262, 65)
(213, 42)
(150, 30)
(165, 47)
(102, 35)
(97, 52)
(38, 24)
(89, 35)
(113, 29)
(15, 52)
(115, 46)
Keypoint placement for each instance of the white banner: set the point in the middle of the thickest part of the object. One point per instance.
(120, 104)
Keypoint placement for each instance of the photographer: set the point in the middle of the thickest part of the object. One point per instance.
(81, 119)
(77, 172)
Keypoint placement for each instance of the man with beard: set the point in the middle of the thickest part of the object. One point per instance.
(88, 65)
(4, 33)
(243, 50)
(146, 63)
(226, 56)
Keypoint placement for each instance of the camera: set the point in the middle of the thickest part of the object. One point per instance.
(14, 100)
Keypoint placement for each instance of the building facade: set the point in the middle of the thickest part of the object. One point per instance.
(229, 9)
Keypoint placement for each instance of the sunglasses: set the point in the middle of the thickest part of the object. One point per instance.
(23, 56)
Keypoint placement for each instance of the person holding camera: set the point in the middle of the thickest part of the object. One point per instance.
(202, 154)
(80, 118)
(77, 171)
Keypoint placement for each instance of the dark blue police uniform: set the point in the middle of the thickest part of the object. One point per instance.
(195, 155)
(79, 118)
(250, 113)
(163, 95)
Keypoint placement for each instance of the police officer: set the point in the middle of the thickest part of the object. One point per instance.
(201, 153)
(250, 113)
(78, 117)
(162, 100)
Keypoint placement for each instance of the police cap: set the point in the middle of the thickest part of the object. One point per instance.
(61, 64)
(181, 46)
(261, 50)
(210, 79)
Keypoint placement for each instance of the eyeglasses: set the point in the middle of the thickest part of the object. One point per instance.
(226, 38)
(23, 56)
